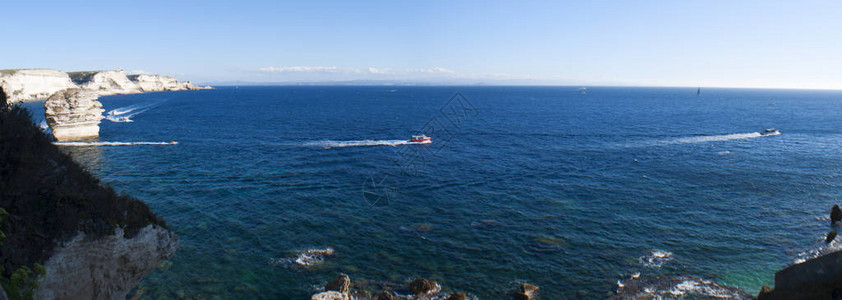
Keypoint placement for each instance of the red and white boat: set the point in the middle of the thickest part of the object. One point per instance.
(420, 139)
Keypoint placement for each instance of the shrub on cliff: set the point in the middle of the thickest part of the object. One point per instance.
(49, 198)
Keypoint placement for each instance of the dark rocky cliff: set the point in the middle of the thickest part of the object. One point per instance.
(52, 203)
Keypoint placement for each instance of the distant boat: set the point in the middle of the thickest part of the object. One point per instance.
(769, 132)
(699, 91)
(420, 139)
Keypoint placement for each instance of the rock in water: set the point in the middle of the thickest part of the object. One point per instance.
(73, 114)
(383, 295)
(835, 214)
(765, 293)
(457, 296)
(422, 286)
(830, 236)
(342, 284)
(527, 292)
(817, 278)
(330, 295)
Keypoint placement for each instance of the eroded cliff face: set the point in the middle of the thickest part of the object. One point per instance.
(105, 82)
(158, 83)
(74, 114)
(30, 85)
(106, 267)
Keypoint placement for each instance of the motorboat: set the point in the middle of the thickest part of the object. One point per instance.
(770, 132)
(420, 139)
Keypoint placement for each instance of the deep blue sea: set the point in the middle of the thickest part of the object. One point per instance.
(568, 188)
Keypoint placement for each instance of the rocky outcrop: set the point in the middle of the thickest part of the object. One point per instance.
(29, 85)
(73, 114)
(107, 267)
(83, 240)
(38, 84)
(527, 292)
(835, 214)
(818, 278)
(342, 284)
(330, 295)
(423, 286)
(340, 288)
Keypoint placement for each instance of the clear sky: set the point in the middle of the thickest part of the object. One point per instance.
(776, 44)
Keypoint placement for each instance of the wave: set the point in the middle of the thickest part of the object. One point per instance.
(671, 286)
(88, 144)
(362, 143)
(656, 258)
(304, 258)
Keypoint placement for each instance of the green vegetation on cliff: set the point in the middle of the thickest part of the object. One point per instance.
(47, 199)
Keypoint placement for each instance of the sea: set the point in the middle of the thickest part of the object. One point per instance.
(273, 190)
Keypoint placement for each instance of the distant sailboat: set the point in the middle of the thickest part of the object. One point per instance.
(699, 91)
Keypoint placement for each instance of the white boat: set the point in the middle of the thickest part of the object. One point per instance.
(420, 139)
(770, 132)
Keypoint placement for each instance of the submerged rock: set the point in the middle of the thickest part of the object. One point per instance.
(423, 286)
(73, 114)
(835, 214)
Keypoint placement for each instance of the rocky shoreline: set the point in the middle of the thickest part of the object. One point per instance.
(816, 278)
(340, 288)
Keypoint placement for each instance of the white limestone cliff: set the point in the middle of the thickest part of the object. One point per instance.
(105, 82)
(30, 85)
(104, 268)
(38, 84)
(73, 114)
(157, 83)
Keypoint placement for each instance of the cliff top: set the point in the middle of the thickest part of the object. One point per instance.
(50, 198)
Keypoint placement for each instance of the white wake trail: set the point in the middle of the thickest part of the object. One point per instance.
(86, 144)
(361, 143)
(715, 138)
(124, 114)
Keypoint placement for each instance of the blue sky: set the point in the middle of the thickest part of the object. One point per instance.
(775, 44)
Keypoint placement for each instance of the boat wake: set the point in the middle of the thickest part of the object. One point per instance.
(716, 138)
(124, 114)
(362, 143)
(88, 144)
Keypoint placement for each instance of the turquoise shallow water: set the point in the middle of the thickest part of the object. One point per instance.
(570, 189)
